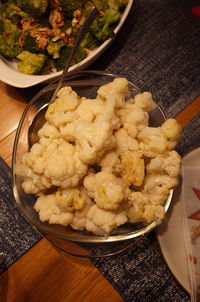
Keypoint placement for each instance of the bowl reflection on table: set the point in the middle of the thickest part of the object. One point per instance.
(79, 243)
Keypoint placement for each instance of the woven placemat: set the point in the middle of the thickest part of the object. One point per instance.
(16, 234)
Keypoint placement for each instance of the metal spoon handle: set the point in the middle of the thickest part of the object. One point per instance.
(90, 18)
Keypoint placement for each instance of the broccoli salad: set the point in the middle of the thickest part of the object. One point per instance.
(39, 34)
(106, 165)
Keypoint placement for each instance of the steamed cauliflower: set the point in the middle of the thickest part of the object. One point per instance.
(51, 163)
(107, 190)
(101, 160)
(102, 222)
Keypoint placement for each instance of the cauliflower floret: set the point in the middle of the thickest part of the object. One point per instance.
(125, 142)
(168, 163)
(102, 222)
(51, 163)
(157, 187)
(172, 131)
(145, 101)
(153, 212)
(62, 110)
(80, 216)
(133, 168)
(89, 109)
(111, 163)
(49, 131)
(152, 141)
(140, 209)
(135, 206)
(118, 89)
(133, 118)
(106, 189)
(70, 199)
(49, 211)
(93, 139)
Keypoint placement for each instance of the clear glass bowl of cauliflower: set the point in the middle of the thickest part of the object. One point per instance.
(101, 168)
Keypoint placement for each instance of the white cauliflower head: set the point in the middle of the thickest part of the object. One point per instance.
(168, 163)
(133, 118)
(125, 142)
(117, 89)
(51, 163)
(103, 222)
(157, 187)
(145, 101)
(49, 211)
(107, 190)
(62, 110)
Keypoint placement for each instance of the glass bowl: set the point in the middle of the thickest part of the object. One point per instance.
(78, 243)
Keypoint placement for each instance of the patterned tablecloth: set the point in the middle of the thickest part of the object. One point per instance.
(158, 50)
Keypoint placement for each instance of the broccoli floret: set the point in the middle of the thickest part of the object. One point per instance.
(30, 44)
(33, 7)
(102, 27)
(31, 63)
(8, 47)
(9, 39)
(53, 48)
(64, 54)
(6, 26)
(70, 5)
(90, 42)
(10, 10)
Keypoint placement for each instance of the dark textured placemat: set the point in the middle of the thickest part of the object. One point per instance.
(158, 49)
(16, 234)
(140, 274)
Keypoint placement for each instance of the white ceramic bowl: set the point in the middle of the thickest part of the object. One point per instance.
(10, 75)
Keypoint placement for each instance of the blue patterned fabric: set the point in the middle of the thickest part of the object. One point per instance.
(16, 234)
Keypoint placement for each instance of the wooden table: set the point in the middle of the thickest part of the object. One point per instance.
(43, 274)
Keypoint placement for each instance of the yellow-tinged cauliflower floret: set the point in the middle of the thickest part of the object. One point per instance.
(172, 131)
(118, 89)
(54, 161)
(145, 101)
(157, 187)
(133, 118)
(70, 199)
(102, 222)
(125, 142)
(135, 206)
(80, 216)
(153, 212)
(62, 110)
(168, 163)
(49, 211)
(133, 168)
(111, 163)
(107, 190)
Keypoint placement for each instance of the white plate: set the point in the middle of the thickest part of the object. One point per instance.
(170, 234)
(10, 75)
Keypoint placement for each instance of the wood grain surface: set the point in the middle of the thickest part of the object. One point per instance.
(44, 274)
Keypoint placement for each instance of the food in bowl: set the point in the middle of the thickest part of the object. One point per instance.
(38, 35)
(98, 164)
